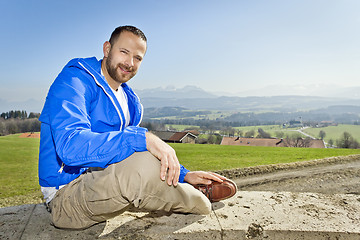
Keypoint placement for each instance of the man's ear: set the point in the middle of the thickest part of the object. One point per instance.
(106, 48)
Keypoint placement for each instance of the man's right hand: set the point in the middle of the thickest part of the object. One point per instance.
(167, 156)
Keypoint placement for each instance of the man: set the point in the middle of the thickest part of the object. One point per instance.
(95, 161)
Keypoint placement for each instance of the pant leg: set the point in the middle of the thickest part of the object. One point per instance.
(99, 195)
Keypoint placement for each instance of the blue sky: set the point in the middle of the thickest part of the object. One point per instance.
(220, 46)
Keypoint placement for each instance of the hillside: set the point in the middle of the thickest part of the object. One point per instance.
(275, 103)
(195, 98)
(346, 114)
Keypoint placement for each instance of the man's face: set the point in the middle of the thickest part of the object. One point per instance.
(124, 57)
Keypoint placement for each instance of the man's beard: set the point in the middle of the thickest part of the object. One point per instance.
(113, 72)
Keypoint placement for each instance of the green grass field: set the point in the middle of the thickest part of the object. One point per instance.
(335, 132)
(266, 128)
(332, 132)
(19, 162)
(218, 157)
(271, 129)
(19, 165)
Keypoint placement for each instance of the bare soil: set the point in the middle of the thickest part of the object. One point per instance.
(30, 135)
(327, 176)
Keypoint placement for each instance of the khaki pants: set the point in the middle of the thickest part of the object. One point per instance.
(98, 195)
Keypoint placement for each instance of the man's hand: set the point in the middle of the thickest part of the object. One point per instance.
(167, 156)
(201, 177)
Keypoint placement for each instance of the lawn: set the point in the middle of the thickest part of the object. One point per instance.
(19, 165)
(271, 129)
(335, 132)
(218, 157)
(19, 162)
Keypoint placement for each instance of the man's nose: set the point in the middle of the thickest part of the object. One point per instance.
(129, 61)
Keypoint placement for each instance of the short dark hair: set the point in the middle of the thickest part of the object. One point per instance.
(116, 33)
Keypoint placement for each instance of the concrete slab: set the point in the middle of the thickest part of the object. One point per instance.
(13, 221)
(33, 222)
(162, 226)
(286, 215)
(249, 215)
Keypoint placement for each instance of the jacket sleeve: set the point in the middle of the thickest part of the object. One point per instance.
(67, 109)
(183, 172)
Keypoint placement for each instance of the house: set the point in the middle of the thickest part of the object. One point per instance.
(239, 141)
(176, 137)
(326, 124)
(270, 142)
(295, 123)
(317, 143)
(301, 142)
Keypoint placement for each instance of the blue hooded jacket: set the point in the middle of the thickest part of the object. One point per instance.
(82, 125)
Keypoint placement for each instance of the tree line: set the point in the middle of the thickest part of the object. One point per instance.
(344, 114)
(18, 114)
(214, 135)
(12, 122)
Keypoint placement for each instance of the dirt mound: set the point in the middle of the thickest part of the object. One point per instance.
(335, 175)
(265, 169)
(30, 135)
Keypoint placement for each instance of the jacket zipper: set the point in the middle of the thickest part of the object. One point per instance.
(112, 100)
(61, 168)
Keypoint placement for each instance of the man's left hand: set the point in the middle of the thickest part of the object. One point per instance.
(201, 177)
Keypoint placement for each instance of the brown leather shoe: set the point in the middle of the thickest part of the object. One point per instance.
(216, 191)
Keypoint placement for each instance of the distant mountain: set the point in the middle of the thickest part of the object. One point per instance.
(302, 90)
(339, 109)
(195, 98)
(187, 98)
(172, 92)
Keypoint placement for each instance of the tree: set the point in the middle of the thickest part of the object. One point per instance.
(34, 115)
(279, 134)
(331, 143)
(322, 134)
(35, 125)
(2, 127)
(344, 141)
(153, 126)
(23, 114)
(347, 141)
(355, 144)
(228, 131)
(297, 141)
(211, 139)
(263, 134)
(218, 139)
(250, 134)
(12, 127)
(240, 132)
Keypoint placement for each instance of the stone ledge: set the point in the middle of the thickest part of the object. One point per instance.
(248, 215)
